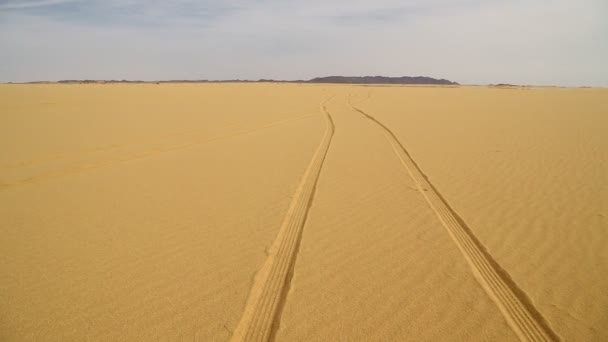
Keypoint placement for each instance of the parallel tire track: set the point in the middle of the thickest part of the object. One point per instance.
(518, 310)
(267, 296)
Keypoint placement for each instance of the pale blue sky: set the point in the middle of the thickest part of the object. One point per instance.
(540, 42)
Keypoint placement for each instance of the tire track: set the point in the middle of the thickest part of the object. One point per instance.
(140, 155)
(519, 312)
(262, 312)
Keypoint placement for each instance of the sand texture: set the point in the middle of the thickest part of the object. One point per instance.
(286, 212)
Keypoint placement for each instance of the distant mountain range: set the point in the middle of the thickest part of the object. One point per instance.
(381, 80)
(328, 79)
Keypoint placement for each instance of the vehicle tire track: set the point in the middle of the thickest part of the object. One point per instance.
(261, 315)
(519, 312)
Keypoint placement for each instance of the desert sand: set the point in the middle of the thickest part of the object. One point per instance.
(287, 212)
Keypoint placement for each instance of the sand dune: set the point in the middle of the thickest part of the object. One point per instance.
(257, 212)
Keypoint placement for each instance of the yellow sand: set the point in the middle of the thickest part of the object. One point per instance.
(144, 212)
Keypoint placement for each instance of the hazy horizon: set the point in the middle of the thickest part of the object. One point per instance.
(559, 43)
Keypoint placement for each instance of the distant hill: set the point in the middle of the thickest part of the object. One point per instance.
(328, 79)
(381, 80)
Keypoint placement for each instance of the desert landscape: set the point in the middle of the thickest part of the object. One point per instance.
(303, 212)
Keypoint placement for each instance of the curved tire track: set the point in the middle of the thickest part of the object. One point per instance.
(519, 312)
(261, 315)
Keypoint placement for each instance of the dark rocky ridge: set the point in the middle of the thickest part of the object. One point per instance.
(381, 80)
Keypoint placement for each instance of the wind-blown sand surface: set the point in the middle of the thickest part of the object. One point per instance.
(302, 213)
(527, 170)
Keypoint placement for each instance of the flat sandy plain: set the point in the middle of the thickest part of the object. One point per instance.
(253, 212)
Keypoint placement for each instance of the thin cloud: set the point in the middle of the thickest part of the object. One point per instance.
(31, 4)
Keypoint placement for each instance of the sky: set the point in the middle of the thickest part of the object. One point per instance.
(535, 42)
